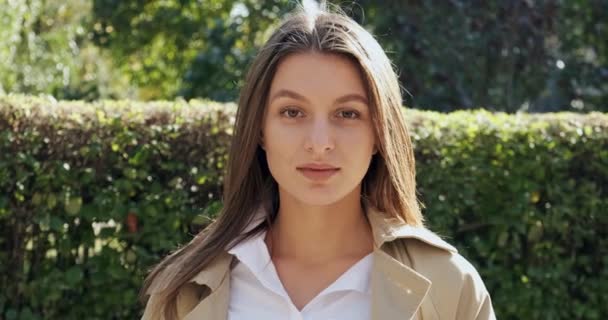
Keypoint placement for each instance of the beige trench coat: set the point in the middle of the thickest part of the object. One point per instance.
(415, 275)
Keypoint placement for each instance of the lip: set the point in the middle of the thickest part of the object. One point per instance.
(317, 166)
(318, 174)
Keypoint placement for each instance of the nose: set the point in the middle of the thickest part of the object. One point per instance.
(320, 137)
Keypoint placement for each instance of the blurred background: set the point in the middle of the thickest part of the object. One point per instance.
(535, 56)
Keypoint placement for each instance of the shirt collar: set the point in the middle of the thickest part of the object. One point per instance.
(254, 254)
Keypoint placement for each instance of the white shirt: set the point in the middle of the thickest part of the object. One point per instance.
(256, 292)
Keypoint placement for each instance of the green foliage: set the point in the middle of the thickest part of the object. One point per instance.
(524, 198)
(91, 199)
(185, 48)
(499, 55)
(45, 48)
(92, 195)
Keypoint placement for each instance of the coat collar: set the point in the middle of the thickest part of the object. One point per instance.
(398, 291)
(386, 229)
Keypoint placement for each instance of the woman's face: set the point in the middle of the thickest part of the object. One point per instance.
(318, 113)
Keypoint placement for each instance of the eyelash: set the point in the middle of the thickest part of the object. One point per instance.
(285, 110)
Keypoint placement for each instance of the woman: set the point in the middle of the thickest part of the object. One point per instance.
(320, 216)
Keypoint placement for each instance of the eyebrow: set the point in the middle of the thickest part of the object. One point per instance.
(297, 96)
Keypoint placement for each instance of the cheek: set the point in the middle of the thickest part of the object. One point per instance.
(360, 140)
(280, 144)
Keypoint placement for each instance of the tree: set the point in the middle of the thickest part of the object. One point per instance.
(44, 48)
(184, 48)
(501, 55)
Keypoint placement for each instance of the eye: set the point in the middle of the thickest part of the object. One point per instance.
(349, 114)
(290, 112)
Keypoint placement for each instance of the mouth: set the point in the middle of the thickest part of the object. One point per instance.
(318, 174)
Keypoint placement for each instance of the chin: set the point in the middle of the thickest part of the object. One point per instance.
(317, 197)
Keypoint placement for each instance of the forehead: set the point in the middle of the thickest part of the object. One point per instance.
(318, 74)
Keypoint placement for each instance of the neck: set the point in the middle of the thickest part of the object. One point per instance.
(319, 234)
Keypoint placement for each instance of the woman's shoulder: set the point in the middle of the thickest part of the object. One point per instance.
(429, 253)
(441, 263)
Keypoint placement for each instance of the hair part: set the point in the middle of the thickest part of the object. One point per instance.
(389, 184)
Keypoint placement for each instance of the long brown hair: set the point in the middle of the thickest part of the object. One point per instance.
(389, 184)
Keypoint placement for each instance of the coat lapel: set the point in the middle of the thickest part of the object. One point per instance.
(397, 290)
(216, 277)
(214, 306)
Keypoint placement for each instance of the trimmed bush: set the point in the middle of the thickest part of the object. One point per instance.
(93, 194)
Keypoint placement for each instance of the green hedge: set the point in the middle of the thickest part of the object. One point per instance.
(91, 195)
